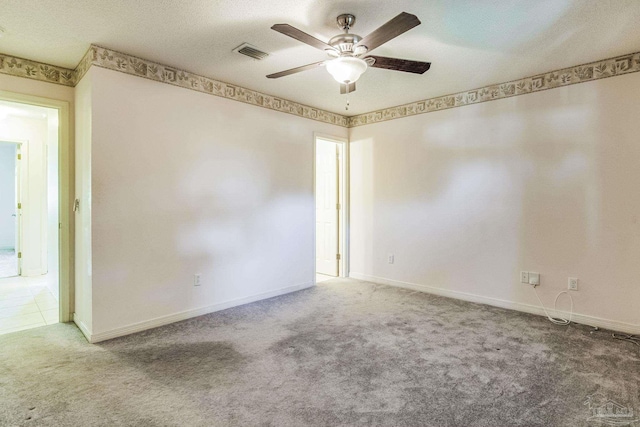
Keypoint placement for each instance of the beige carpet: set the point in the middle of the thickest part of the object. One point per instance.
(343, 353)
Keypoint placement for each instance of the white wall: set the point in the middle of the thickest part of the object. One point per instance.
(7, 196)
(52, 248)
(184, 183)
(466, 198)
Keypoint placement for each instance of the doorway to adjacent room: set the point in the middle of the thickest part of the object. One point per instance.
(29, 216)
(331, 199)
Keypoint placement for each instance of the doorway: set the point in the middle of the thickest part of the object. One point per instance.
(9, 215)
(29, 216)
(331, 203)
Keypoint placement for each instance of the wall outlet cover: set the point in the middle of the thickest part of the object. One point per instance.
(573, 284)
(524, 277)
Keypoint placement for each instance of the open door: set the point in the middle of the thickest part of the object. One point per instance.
(327, 207)
(9, 209)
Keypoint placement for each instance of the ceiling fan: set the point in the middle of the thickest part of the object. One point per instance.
(347, 50)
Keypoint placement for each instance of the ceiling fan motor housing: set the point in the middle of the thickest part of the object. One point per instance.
(345, 45)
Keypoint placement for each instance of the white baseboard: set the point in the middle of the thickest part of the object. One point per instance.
(32, 273)
(184, 315)
(511, 305)
(83, 328)
(7, 248)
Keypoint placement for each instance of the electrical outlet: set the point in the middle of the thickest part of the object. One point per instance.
(390, 258)
(534, 278)
(197, 280)
(524, 277)
(573, 283)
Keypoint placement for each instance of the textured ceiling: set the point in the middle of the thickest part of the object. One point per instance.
(470, 43)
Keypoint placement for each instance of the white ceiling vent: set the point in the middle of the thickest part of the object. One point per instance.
(251, 51)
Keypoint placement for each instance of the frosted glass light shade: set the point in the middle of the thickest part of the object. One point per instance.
(346, 69)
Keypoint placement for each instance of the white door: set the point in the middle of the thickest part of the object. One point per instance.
(8, 209)
(327, 207)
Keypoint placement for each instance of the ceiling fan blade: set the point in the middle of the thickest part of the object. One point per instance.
(405, 65)
(398, 25)
(295, 70)
(344, 89)
(299, 35)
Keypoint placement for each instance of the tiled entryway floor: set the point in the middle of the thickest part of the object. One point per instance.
(8, 263)
(26, 302)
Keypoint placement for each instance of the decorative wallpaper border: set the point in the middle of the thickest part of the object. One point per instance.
(596, 70)
(128, 64)
(84, 65)
(14, 66)
(113, 60)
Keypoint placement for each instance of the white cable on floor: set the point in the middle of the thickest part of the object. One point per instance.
(557, 320)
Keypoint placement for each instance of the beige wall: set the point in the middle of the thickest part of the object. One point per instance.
(185, 183)
(467, 198)
(37, 88)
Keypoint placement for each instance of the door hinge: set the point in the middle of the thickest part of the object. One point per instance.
(19, 254)
(338, 257)
(338, 206)
(19, 205)
(19, 156)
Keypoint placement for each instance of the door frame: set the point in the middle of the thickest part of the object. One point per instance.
(343, 200)
(65, 185)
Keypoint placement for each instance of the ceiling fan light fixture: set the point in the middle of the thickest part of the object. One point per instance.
(346, 69)
(360, 50)
(332, 52)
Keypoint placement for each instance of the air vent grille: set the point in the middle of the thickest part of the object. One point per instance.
(251, 51)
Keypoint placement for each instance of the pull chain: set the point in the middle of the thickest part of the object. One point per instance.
(348, 92)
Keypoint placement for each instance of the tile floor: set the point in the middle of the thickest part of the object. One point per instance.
(8, 263)
(26, 302)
